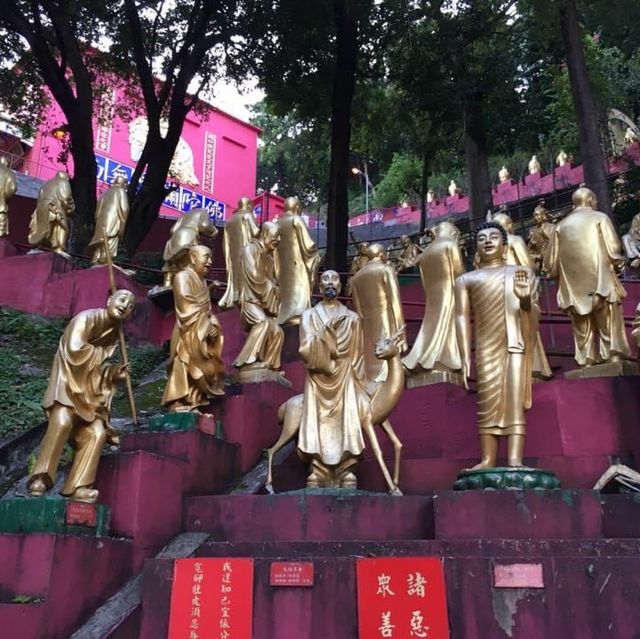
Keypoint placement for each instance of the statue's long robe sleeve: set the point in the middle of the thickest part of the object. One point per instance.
(297, 261)
(436, 345)
(196, 367)
(238, 231)
(334, 397)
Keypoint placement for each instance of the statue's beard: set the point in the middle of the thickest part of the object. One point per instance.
(330, 292)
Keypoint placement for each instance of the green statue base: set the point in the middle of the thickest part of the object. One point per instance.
(53, 515)
(507, 478)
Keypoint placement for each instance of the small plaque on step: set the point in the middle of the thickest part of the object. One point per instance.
(291, 573)
(80, 514)
(518, 576)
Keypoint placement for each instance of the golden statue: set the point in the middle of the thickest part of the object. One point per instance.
(49, 224)
(408, 255)
(502, 301)
(112, 212)
(185, 233)
(503, 174)
(336, 407)
(297, 257)
(241, 228)
(8, 187)
(435, 350)
(196, 369)
(631, 242)
(539, 236)
(78, 399)
(431, 196)
(376, 298)
(453, 188)
(361, 257)
(534, 165)
(517, 254)
(562, 158)
(583, 256)
(259, 306)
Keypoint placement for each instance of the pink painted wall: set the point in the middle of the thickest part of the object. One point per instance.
(224, 151)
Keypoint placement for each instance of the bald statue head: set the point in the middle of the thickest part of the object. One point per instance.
(120, 304)
(270, 235)
(120, 180)
(504, 221)
(540, 214)
(4, 161)
(292, 205)
(446, 230)
(405, 240)
(245, 205)
(330, 285)
(584, 197)
(376, 252)
(200, 259)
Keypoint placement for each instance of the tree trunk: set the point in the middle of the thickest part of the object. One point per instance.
(475, 148)
(593, 157)
(341, 100)
(84, 180)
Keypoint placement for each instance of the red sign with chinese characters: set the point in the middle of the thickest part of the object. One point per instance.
(81, 514)
(402, 598)
(291, 573)
(212, 599)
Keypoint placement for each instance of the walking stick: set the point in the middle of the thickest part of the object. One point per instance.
(123, 345)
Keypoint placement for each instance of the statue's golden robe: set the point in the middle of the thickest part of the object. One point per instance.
(259, 307)
(297, 260)
(539, 237)
(582, 256)
(504, 341)
(8, 188)
(49, 223)
(82, 381)
(376, 299)
(196, 369)
(241, 228)
(335, 401)
(112, 212)
(436, 346)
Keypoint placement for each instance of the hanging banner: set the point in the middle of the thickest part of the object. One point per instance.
(402, 598)
(212, 599)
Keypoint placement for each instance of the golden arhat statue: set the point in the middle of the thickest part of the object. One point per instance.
(78, 399)
(185, 233)
(376, 299)
(112, 212)
(196, 369)
(361, 257)
(8, 187)
(539, 236)
(408, 255)
(502, 301)
(631, 242)
(259, 307)
(238, 231)
(435, 356)
(49, 224)
(517, 254)
(584, 255)
(336, 407)
(298, 259)
(503, 174)
(534, 165)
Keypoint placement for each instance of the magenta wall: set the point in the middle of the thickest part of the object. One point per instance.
(224, 153)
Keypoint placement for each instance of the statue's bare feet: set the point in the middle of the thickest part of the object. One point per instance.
(313, 481)
(396, 492)
(37, 488)
(269, 489)
(86, 495)
(349, 481)
(481, 466)
(515, 463)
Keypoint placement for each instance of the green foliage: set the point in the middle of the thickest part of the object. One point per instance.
(28, 345)
(401, 181)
